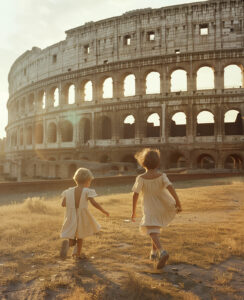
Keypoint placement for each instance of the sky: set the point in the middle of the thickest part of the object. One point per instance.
(41, 23)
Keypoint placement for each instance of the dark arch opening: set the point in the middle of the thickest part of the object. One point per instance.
(129, 158)
(177, 160)
(205, 161)
(72, 169)
(233, 123)
(233, 162)
(129, 127)
(52, 133)
(106, 128)
(39, 134)
(66, 131)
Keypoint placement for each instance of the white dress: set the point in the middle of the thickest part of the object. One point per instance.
(158, 205)
(78, 222)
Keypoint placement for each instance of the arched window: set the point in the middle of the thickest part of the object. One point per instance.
(66, 131)
(178, 81)
(106, 128)
(153, 125)
(233, 77)
(88, 94)
(153, 83)
(129, 85)
(56, 97)
(52, 133)
(233, 122)
(108, 88)
(71, 94)
(39, 134)
(205, 124)
(205, 78)
(44, 101)
(129, 127)
(178, 125)
(205, 161)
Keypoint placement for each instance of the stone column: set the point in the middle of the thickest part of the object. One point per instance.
(190, 123)
(115, 126)
(78, 98)
(62, 95)
(140, 125)
(118, 87)
(219, 80)
(163, 125)
(140, 85)
(219, 123)
(97, 90)
(191, 82)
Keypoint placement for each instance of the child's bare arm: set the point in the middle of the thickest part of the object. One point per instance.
(98, 206)
(173, 193)
(135, 198)
(64, 202)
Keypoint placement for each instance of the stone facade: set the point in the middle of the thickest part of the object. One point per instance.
(48, 133)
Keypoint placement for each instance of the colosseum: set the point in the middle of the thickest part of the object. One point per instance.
(148, 78)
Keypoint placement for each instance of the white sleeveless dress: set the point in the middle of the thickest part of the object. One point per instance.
(78, 222)
(158, 205)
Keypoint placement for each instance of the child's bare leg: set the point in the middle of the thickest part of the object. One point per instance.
(153, 247)
(155, 241)
(79, 246)
(72, 242)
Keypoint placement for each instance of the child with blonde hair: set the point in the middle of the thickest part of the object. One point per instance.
(78, 222)
(160, 202)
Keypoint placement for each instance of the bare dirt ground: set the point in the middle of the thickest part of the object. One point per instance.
(205, 242)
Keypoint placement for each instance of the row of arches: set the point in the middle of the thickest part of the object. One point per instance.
(205, 126)
(205, 79)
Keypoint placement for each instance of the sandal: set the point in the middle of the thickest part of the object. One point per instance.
(164, 256)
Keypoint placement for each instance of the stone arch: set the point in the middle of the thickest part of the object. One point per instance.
(153, 125)
(178, 124)
(29, 135)
(205, 161)
(85, 130)
(177, 160)
(233, 123)
(129, 84)
(52, 133)
(105, 128)
(178, 80)
(152, 82)
(205, 78)
(107, 88)
(233, 76)
(71, 170)
(129, 158)
(39, 133)
(66, 129)
(129, 127)
(104, 158)
(205, 123)
(234, 162)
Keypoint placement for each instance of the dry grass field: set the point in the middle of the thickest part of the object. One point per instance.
(205, 242)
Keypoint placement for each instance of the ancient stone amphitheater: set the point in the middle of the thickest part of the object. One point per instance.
(148, 78)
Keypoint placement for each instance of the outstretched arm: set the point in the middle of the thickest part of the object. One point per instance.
(98, 206)
(177, 201)
(135, 198)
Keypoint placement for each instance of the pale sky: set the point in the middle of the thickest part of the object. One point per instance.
(41, 23)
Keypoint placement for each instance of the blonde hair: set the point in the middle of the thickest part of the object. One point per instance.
(82, 175)
(148, 158)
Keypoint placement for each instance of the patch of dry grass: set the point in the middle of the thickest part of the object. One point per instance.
(209, 231)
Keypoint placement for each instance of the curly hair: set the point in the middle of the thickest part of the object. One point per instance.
(148, 158)
(82, 175)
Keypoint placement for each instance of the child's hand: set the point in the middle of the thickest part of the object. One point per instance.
(178, 209)
(133, 217)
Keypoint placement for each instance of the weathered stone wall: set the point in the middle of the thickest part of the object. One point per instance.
(184, 37)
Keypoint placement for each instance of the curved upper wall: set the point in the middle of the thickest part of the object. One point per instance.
(195, 27)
